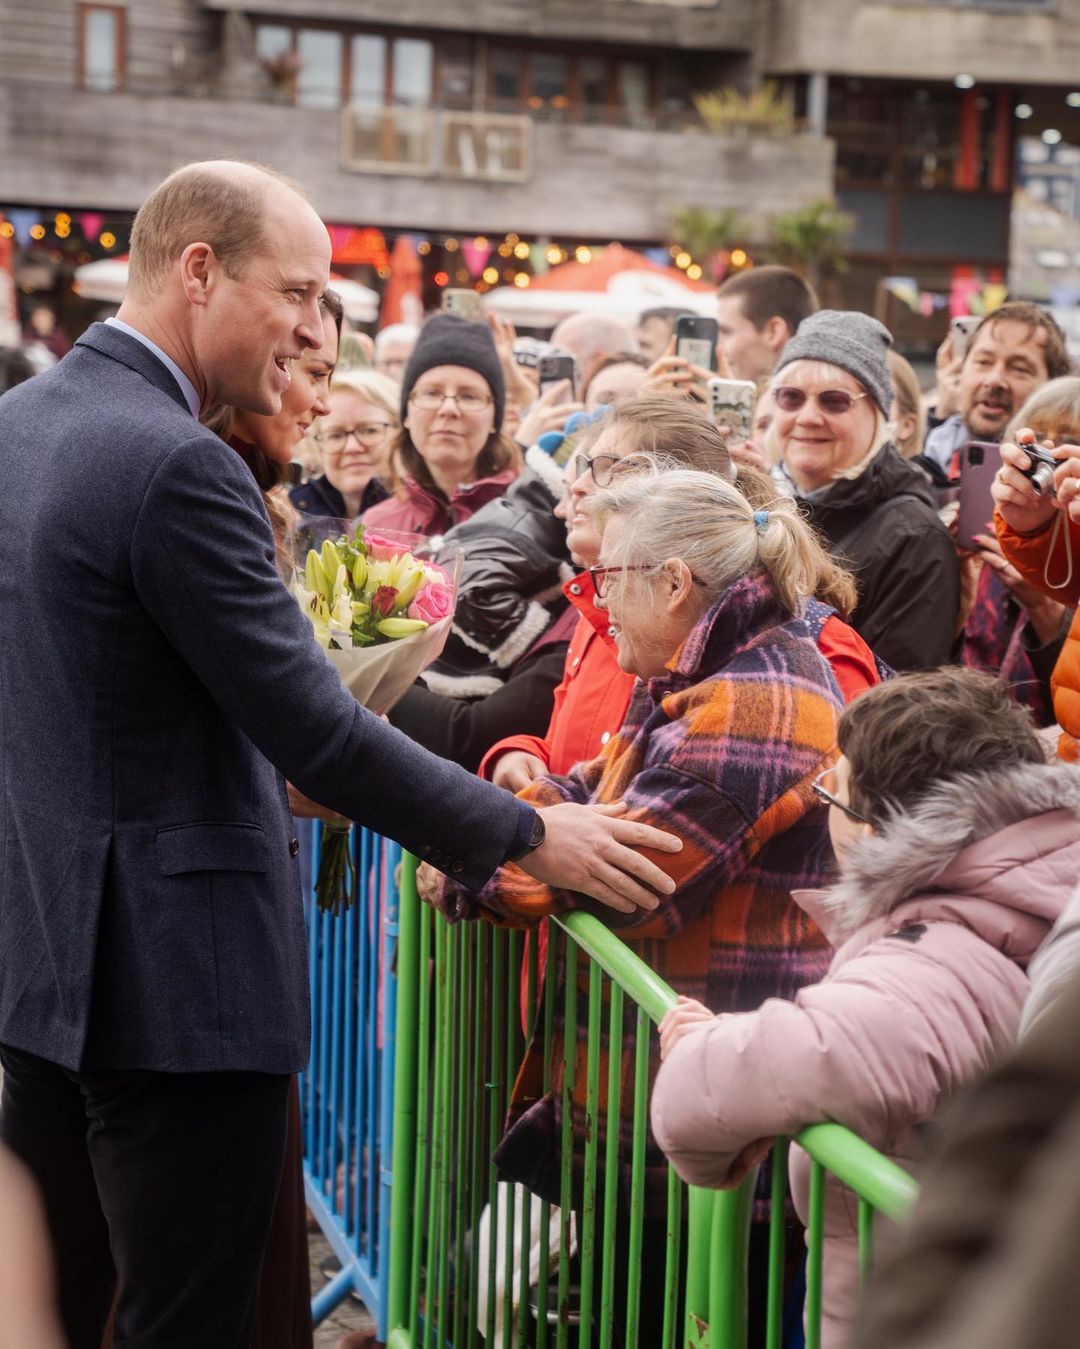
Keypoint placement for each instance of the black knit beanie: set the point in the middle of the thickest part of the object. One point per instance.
(448, 340)
(855, 342)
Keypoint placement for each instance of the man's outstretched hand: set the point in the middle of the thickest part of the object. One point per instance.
(592, 850)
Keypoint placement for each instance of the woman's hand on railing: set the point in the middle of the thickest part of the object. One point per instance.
(589, 849)
(687, 1016)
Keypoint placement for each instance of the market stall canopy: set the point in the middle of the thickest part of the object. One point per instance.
(106, 280)
(616, 281)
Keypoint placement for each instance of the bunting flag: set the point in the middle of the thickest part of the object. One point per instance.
(538, 259)
(90, 222)
(476, 255)
(23, 219)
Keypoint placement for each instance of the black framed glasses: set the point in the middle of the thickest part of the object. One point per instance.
(468, 400)
(833, 402)
(600, 574)
(825, 790)
(603, 467)
(371, 435)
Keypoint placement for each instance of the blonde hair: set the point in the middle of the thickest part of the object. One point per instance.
(372, 387)
(201, 203)
(707, 523)
(826, 370)
(905, 384)
(1054, 406)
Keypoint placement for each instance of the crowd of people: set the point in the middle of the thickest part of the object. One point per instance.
(756, 701)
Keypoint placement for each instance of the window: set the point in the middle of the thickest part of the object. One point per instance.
(593, 78)
(456, 73)
(412, 66)
(550, 82)
(101, 47)
(507, 76)
(367, 72)
(318, 79)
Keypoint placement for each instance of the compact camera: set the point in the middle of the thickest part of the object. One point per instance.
(1040, 469)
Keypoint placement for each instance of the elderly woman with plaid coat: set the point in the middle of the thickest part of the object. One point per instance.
(733, 716)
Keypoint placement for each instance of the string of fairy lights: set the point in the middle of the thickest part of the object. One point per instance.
(480, 261)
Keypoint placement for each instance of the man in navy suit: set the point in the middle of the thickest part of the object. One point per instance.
(156, 681)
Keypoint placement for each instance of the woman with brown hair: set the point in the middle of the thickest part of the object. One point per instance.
(451, 456)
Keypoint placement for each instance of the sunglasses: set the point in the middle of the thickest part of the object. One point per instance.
(833, 402)
(825, 790)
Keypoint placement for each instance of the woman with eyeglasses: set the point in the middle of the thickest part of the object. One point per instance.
(958, 847)
(732, 718)
(832, 396)
(353, 441)
(450, 456)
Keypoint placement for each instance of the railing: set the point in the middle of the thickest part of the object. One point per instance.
(473, 1259)
(346, 1095)
(488, 147)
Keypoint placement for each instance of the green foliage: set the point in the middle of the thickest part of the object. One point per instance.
(764, 111)
(812, 239)
(705, 233)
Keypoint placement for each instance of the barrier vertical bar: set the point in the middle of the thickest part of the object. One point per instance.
(388, 1061)
(407, 1073)
(774, 1312)
(611, 1165)
(815, 1231)
(637, 1177)
(566, 1151)
(672, 1263)
(592, 1108)
(543, 1283)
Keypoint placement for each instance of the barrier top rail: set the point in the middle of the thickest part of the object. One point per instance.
(852, 1161)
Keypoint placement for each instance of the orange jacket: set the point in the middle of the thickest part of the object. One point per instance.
(1036, 558)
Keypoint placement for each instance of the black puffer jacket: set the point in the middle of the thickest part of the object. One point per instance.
(883, 526)
(510, 585)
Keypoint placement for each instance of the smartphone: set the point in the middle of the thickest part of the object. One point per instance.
(695, 340)
(555, 369)
(979, 463)
(962, 329)
(731, 404)
(464, 303)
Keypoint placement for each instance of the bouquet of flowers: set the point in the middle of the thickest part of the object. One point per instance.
(382, 612)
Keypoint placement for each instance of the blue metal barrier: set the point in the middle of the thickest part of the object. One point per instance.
(346, 1094)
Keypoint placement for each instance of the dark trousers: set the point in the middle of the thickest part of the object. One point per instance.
(159, 1186)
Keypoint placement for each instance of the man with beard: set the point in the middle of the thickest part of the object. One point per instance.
(1013, 351)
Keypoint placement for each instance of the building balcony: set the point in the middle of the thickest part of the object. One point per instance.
(400, 168)
(690, 24)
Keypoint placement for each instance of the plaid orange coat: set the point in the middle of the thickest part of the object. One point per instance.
(722, 750)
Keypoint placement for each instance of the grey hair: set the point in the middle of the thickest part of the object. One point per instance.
(707, 523)
(1055, 403)
(396, 332)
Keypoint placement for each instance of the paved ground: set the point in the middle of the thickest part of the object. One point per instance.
(348, 1315)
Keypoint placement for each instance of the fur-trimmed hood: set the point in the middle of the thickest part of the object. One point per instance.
(1011, 838)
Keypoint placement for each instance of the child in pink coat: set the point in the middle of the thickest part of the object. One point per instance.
(958, 848)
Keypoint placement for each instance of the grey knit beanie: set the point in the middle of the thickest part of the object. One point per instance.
(855, 342)
(448, 340)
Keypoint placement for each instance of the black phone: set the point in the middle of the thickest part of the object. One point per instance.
(556, 369)
(979, 463)
(695, 340)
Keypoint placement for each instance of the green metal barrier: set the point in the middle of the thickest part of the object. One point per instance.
(475, 1263)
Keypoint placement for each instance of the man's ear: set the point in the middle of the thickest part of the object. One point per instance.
(777, 332)
(198, 272)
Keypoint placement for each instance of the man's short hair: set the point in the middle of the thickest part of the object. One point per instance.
(201, 204)
(771, 292)
(907, 735)
(667, 314)
(1037, 319)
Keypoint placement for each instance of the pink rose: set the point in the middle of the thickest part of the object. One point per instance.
(432, 603)
(382, 548)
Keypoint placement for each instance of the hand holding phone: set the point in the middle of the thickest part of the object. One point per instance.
(695, 340)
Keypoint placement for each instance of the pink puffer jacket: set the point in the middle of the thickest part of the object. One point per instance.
(939, 916)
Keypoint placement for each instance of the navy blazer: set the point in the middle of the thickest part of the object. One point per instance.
(155, 674)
